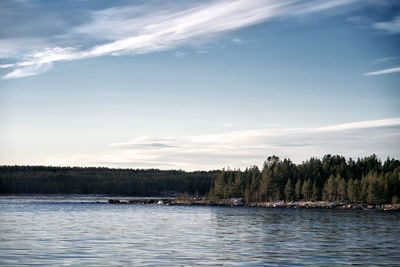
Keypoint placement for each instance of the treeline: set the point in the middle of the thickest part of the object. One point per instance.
(74, 180)
(366, 180)
(333, 178)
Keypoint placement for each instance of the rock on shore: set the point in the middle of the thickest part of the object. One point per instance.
(275, 204)
(325, 205)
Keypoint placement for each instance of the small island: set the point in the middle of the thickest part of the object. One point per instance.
(328, 183)
(238, 202)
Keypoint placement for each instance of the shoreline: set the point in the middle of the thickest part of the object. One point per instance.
(268, 205)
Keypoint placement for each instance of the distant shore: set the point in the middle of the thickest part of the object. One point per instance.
(276, 204)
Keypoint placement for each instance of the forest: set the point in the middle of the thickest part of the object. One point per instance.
(333, 178)
(75, 180)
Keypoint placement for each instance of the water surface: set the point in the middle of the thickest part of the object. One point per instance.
(77, 231)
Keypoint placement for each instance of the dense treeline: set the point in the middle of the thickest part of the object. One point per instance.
(366, 180)
(66, 180)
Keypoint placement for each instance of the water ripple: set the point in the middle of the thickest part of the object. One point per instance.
(49, 233)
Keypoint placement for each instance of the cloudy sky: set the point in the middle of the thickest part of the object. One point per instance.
(197, 84)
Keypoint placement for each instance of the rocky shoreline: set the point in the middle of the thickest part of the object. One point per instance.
(326, 205)
(276, 204)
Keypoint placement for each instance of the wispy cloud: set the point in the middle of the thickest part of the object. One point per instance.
(240, 149)
(392, 27)
(311, 6)
(146, 28)
(384, 59)
(381, 72)
(237, 40)
(5, 66)
(230, 124)
(361, 125)
(179, 54)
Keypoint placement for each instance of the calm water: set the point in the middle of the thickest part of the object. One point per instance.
(73, 231)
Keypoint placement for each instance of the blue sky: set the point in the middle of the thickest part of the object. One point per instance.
(197, 84)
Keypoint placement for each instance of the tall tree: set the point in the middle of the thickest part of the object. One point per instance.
(298, 189)
(330, 189)
(342, 189)
(289, 190)
(315, 192)
(306, 189)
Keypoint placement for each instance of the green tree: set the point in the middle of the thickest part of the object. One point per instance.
(238, 184)
(306, 189)
(352, 190)
(342, 189)
(315, 192)
(267, 184)
(366, 180)
(330, 189)
(247, 199)
(289, 190)
(372, 193)
(298, 189)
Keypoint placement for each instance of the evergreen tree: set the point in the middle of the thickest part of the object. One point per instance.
(315, 192)
(371, 193)
(342, 190)
(357, 191)
(306, 189)
(366, 180)
(247, 195)
(351, 191)
(289, 190)
(298, 189)
(238, 184)
(330, 189)
(267, 184)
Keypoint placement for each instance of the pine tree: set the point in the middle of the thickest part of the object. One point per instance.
(289, 190)
(306, 190)
(371, 193)
(247, 195)
(329, 192)
(342, 190)
(298, 189)
(238, 184)
(315, 192)
(350, 190)
(356, 191)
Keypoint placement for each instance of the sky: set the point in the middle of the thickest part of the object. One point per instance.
(197, 85)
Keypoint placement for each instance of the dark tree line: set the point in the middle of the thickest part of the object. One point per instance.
(74, 180)
(333, 178)
(366, 180)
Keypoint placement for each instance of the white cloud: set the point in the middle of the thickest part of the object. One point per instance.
(392, 27)
(14, 47)
(40, 62)
(6, 66)
(385, 71)
(28, 71)
(361, 125)
(227, 124)
(144, 29)
(237, 40)
(240, 149)
(323, 5)
(384, 59)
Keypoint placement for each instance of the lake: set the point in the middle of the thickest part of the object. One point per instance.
(74, 230)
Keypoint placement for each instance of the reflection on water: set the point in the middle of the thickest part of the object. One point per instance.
(70, 232)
